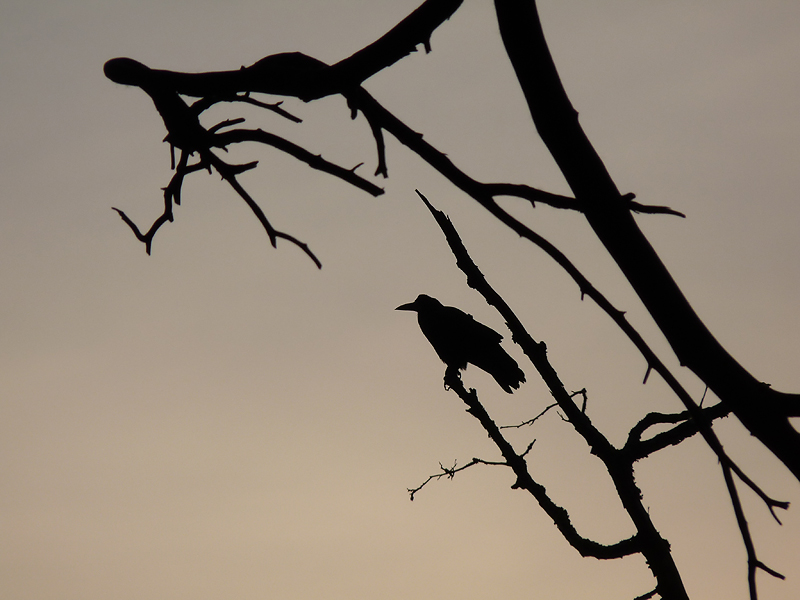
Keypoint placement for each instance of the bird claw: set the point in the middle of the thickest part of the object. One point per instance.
(451, 375)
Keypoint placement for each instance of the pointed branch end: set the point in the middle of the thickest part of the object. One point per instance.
(766, 569)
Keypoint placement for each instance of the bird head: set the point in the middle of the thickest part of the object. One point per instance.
(421, 303)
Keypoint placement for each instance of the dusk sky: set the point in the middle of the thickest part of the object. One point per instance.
(223, 420)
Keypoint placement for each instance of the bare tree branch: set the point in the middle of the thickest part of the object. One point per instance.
(172, 194)
(651, 545)
(638, 448)
(618, 462)
(315, 161)
(763, 411)
(517, 463)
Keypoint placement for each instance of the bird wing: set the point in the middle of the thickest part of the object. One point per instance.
(481, 347)
(467, 326)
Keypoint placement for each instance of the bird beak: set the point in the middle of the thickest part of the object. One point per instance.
(410, 306)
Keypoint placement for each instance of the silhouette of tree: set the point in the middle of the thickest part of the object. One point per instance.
(763, 411)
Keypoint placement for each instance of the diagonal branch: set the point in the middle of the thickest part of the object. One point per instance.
(315, 161)
(763, 411)
(637, 449)
(651, 545)
(398, 42)
(228, 173)
(517, 463)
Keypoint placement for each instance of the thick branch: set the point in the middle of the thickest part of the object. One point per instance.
(400, 41)
(762, 410)
(293, 73)
(228, 173)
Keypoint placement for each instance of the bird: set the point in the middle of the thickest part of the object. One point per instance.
(459, 339)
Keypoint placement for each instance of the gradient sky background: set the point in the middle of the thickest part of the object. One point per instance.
(222, 420)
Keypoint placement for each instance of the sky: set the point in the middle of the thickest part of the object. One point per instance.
(223, 420)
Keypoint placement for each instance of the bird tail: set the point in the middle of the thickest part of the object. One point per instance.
(505, 370)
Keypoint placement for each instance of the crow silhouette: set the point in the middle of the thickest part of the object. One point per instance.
(459, 339)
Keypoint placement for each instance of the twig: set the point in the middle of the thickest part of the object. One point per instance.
(315, 161)
(172, 194)
(585, 398)
(451, 472)
(753, 564)
(208, 101)
(530, 421)
(639, 449)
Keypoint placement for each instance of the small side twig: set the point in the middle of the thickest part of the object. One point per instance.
(208, 101)
(585, 398)
(530, 421)
(450, 473)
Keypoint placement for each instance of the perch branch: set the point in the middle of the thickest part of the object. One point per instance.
(652, 546)
(619, 319)
(517, 463)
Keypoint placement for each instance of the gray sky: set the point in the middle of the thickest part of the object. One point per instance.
(222, 420)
